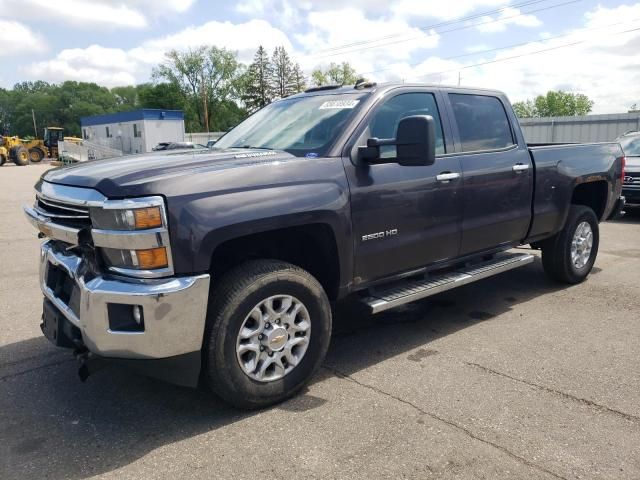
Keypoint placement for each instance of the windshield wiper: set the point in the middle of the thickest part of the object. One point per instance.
(255, 148)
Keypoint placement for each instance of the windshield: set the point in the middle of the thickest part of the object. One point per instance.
(631, 146)
(304, 126)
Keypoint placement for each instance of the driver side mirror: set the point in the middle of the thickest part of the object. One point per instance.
(415, 143)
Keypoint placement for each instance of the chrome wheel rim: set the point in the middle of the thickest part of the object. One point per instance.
(581, 245)
(273, 338)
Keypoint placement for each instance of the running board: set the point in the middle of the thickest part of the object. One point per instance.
(381, 299)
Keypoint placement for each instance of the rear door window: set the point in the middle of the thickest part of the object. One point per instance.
(482, 122)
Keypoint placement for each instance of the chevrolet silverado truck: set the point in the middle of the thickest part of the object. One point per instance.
(220, 267)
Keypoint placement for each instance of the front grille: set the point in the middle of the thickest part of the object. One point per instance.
(63, 213)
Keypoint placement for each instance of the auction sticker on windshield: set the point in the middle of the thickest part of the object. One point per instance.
(339, 104)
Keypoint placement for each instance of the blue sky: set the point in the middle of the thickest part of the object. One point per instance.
(115, 43)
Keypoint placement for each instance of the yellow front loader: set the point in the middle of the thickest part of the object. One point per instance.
(12, 148)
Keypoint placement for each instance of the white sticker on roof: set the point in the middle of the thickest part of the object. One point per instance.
(339, 104)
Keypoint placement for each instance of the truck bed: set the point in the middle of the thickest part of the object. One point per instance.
(560, 168)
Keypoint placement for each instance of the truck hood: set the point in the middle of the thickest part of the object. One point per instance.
(142, 174)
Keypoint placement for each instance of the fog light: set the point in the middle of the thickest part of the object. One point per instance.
(125, 318)
(137, 314)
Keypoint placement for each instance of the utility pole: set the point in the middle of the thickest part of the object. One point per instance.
(204, 102)
(459, 78)
(35, 129)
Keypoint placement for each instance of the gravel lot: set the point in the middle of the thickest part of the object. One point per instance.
(512, 377)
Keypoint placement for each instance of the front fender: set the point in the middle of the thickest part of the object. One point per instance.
(204, 223)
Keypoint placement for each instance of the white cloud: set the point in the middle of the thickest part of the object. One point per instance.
(606, 67)
(115, 66)
(442, 11)
(16, 38)
(400, 8)
(93, 13)
(243, 38)
(476, 47)
(350, 26)
(106, 66)
(508, 16)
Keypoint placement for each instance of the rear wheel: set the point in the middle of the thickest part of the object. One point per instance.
(3, 159)
(268, 331)
(569, 256)
(21, 156)
(36, 155)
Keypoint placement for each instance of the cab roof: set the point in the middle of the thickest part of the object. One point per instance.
(371, 87)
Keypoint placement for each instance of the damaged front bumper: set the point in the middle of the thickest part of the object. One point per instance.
(95, 314)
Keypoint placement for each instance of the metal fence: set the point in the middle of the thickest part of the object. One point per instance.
(583, 129)
(73, 152)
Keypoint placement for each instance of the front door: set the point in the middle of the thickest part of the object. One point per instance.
(403, 217)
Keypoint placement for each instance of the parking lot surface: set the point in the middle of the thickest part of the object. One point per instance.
(512, 377)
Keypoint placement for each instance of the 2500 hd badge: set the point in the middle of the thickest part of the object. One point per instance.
(379, 235)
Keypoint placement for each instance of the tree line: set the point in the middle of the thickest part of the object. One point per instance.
(554, 104)
(213, 88)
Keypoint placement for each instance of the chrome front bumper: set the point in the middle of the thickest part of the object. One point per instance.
(174, 309)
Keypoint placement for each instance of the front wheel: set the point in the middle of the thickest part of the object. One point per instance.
(569, 255)
(268, 331)
(21, 156)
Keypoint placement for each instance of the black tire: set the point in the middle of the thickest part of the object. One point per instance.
(21, 156)
(556, 251)
(2, 160)
(36, 155)
(231, 300)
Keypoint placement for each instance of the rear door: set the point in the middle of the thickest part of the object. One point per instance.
(497, 173)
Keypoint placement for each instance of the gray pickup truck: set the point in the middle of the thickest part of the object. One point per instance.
(219, 267)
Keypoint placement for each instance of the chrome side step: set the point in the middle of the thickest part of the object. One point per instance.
(382, 299)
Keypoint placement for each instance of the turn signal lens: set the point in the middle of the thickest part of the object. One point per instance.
(151, 258)
(147, 217)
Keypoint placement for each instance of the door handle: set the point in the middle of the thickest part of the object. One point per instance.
(520, 167)
(447, 176)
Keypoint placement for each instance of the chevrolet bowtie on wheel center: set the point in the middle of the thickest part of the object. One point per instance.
(218, 267)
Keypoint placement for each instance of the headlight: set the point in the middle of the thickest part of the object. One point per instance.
(132, 236)
(127, 219)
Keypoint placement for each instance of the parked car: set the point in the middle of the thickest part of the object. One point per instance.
(176, 146)
(221, 268)
(630, 143)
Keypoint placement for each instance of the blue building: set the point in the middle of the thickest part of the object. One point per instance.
(136, 131)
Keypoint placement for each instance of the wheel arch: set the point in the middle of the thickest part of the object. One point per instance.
(593, 195)
(312, 246)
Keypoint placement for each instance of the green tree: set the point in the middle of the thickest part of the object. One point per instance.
(126, 97)
(299, 80)
(282, 79)
(160, 95)
(257, 90)
(207, 76)
(555, 104)
(339, 74)
(526, 109)
(319, 78)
